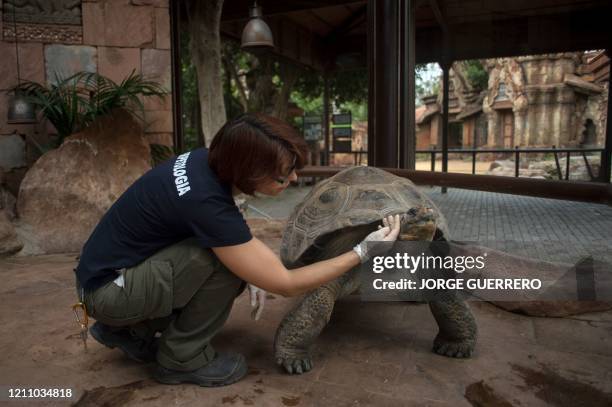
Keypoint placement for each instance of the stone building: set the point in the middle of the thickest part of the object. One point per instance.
(467, 126)
(530, 101)
(111, 37)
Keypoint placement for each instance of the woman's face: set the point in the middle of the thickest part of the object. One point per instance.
(276, 185)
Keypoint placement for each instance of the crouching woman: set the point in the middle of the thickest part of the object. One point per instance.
(161, 270)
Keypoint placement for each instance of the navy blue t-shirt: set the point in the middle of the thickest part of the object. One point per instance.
(178, 199)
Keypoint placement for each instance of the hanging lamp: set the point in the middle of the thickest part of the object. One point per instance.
(20, 109)
(256, 35)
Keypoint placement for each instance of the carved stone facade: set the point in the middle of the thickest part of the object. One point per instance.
(43, 21)
(546, 101)
(531, 101)
(43, 12)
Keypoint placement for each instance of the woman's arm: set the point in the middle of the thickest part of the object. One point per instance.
(255, 263)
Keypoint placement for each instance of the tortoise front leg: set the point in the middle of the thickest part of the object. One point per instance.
(303, 324)
(457, 335)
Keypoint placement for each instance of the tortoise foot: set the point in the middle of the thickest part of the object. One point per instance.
(295, 362)
(454, 348)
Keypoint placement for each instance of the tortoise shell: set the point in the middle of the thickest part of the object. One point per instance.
(353, 197)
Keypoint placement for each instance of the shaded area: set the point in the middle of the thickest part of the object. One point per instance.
(557, 390)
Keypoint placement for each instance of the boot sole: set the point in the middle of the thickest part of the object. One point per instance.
(187, 377)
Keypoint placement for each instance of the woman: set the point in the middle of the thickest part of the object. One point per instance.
(174, 251)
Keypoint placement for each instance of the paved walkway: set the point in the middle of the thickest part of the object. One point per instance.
(545, 229)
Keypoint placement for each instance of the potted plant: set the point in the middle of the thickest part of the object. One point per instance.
(73, 103)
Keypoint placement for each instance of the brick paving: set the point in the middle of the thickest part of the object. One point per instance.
(545, 229)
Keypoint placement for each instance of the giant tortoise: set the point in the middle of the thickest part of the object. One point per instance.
(336, 215)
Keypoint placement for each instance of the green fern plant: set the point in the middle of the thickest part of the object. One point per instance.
(73, 103)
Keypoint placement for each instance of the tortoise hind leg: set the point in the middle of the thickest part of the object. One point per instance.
(457, 335)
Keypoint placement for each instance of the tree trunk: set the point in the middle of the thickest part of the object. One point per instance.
(263, 90)
(204, 29)
(289, 75)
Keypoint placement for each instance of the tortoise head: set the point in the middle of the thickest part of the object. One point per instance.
(418, 224)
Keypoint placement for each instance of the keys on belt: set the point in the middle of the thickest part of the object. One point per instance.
(80, 314)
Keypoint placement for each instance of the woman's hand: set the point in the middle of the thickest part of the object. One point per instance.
(373, 244)
(258, 301)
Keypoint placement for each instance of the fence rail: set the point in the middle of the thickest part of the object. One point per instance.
(517, 157)
(517, 151)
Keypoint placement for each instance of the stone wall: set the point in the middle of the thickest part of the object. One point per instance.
(550, 104)
(112, 37)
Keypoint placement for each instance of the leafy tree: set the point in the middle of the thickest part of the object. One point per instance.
(476, 74)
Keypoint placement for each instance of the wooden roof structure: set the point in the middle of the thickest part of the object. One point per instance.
(333, 34)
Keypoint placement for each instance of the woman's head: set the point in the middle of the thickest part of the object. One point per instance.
(256, 152)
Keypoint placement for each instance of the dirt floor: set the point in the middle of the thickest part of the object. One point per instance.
(456, 166)
(370, 354)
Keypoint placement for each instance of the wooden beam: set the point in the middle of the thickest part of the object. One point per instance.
(435, 8)
(346, 25)
(239, 9)
(541, 34)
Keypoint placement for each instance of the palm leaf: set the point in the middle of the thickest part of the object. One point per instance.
(74, 102)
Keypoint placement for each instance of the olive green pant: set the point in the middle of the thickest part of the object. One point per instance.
(183, 291)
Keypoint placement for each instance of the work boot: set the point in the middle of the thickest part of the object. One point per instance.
(135, 348)
(224, 369)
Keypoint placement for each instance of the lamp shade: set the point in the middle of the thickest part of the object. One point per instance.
(20, 110)
(256, 34)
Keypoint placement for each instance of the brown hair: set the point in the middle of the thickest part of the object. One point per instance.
(253, 147)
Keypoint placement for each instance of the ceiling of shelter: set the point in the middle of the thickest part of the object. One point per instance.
(321, 34)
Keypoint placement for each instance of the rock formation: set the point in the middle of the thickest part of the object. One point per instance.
(66, 192)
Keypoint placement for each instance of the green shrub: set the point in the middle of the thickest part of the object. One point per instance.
(73, 103)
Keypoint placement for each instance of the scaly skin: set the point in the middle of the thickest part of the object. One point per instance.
(303, 324)
(457, 328)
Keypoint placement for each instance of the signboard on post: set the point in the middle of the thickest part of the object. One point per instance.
(342, 119)
(342, 132)
(313, 128)
(342, 145)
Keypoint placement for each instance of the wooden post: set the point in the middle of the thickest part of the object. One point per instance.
(446, 65)
(326, 117)
(606, 159)
(175, 55)
(517, 161)
(389, 90)
(407, 133)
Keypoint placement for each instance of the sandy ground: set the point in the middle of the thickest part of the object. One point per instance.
(457, 166)
(374, 354)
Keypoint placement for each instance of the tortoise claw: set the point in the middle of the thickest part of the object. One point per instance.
(453, 349)
(295, 366)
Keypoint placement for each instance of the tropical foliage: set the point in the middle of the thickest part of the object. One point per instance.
(73, 103)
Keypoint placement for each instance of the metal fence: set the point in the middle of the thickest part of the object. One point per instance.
(517, 157)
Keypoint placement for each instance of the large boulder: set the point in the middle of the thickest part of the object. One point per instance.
(66, 192)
